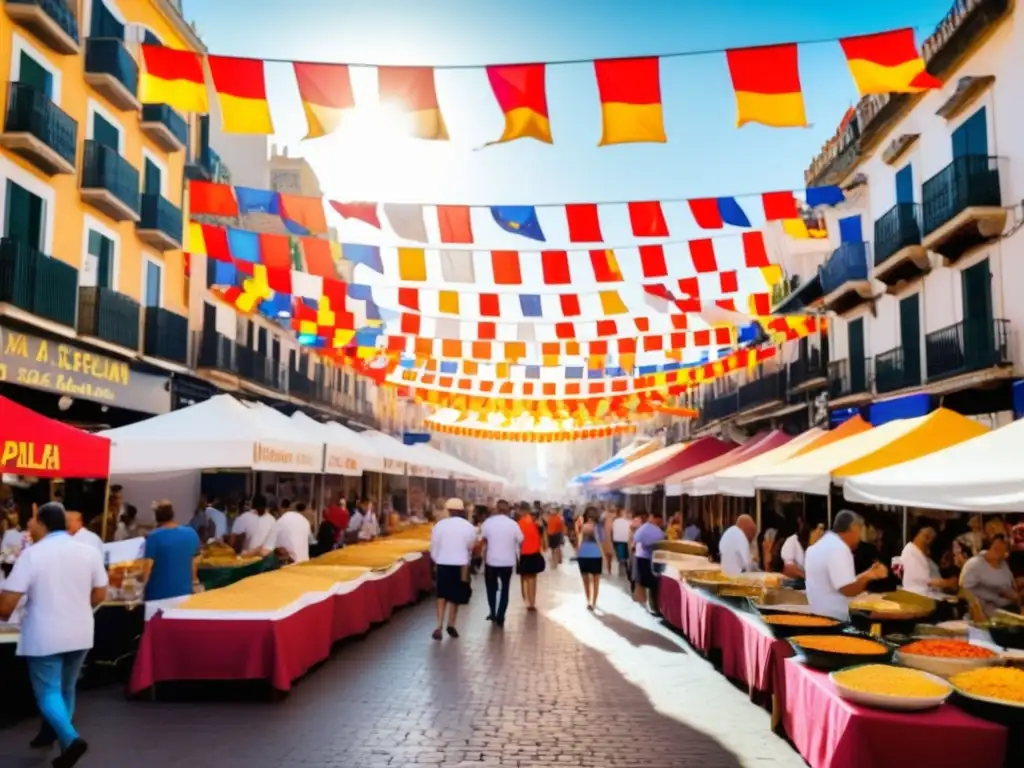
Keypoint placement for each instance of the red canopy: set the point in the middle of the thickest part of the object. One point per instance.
(697, 452)
(31, 444)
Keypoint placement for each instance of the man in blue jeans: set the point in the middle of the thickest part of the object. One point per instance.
(62, 581)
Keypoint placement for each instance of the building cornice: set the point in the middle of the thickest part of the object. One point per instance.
(170, 9)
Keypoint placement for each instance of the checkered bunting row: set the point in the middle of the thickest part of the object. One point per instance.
(630, 299)
(504, 270)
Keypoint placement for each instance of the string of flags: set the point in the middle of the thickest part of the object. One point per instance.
(765, 79)
(533, 434)
(459, 224)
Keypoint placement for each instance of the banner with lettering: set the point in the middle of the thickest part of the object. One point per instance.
(31, 444)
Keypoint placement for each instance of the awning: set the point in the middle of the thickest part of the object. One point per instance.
(896, 441)
(40, 447)
(739, 480)
(276, 423)
(848, 428)
(632, 452)
(219, 433)
(699, 480)
(345, 453)
(697, 452)
(982, 474)
(611, 479)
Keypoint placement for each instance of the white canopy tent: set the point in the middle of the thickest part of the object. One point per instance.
(278, 424)
(983, 474)
(812, 472)
(455, 466)
(345, 451)
(739, 480)
(219, 433)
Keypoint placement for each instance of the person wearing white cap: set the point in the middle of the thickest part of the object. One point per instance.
(451, 547)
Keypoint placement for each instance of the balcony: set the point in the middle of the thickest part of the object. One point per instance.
(792, 295)
(970, 346)
(895, 371)
(37, 284)
(846, 381)
(165, 127)
(166, 335)
(899, 256)
(109, 182)
(39, 131)
(722, 407)
(160, 224)
(258, 368)
(808, 372)
(109, 316)
(214, 350)
(300, 385)
(844, 278)
(111, 70)
(52, 21)
(962, 207)
(769, 390)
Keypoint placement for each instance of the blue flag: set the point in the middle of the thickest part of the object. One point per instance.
(519, 220)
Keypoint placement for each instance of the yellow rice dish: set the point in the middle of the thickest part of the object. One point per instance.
(883, 680)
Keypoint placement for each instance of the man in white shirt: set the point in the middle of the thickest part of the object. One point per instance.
(62, 581)
(502, 538)
(451, 547)
(831, 577)
(620, 539)
(254, 531)
(76, 530)
(292, 534)
(734, 547)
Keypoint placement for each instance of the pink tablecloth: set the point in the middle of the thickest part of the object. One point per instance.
(830, 732)
(278, 651)
(749, 652)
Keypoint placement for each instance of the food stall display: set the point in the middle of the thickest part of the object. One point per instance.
(885, 687)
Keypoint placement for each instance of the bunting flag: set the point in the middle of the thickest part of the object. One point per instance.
(583, 222)
(630, 94)
(887, 62)
(364, 212)
(455, 224)
(647, 219)
(242, 93)
(519, 220)
(716, 212)
(326, 94)
(174, 78)
(521, 94)
(413, 91)
(767, 85)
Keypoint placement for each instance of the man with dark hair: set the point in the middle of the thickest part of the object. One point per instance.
(831, 577)
(253, 532)
(174, 551)
(63, 582)
(501, 541)
(292, 533)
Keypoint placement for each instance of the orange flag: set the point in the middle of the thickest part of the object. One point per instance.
(413, 90)
(887, 62)
(630, 92)
(326, 93)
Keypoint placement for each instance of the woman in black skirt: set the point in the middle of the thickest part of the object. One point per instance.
(590, 557)
(531, 557)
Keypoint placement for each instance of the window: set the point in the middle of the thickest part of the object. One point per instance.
(971, 138)
(34, 74)
(105, 132)
(153, 288)
(104, 22)
(101, 252)
(152, 177)
(25, 216)
(905, 184)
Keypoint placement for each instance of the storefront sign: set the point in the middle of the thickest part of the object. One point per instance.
(18, 457)
(55, 366)
(340, 464)
(270, 457)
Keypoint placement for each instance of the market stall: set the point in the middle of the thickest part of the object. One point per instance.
(685, 482)
(738, 480)
(276, 626)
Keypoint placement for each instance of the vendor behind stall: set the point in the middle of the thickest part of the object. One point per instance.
(254, 531)
(987, 577)
(734, 548)
(77, 530)
(921, 574)
(831, 577)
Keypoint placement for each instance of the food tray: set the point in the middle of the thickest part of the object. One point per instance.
(943, 667)
(1006, 636)
(782, 631)
(828, 661)
(890, 702)
(682, 548)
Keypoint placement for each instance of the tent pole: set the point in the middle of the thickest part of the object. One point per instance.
(828, 509)
(106, 509)
(757, 507)
(906, 524)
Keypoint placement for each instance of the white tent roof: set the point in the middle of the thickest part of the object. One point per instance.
(983, 474)
(812, 472)
(394, 453)
(739, 480)
(219, 433)
(345, 452)
(455, 465)
(277, 423)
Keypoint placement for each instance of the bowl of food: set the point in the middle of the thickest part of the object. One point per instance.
(785, 625)
(945, 657)
(682, 547)
(992, 693)
(831, 652)
(1007, 629)
(886, 687)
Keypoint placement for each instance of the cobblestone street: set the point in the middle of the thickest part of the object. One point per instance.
(558, 687)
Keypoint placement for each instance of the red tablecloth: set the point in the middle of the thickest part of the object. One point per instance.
(749, 652)
(830, 732)
(278, 651)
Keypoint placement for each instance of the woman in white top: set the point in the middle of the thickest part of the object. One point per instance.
(793, 549)
(921, 574)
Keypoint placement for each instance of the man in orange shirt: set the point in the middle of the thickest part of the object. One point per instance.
(556, 534)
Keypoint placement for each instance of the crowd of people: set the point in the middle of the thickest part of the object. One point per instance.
(504, 540)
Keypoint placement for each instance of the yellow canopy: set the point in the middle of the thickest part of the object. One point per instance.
(940, 429)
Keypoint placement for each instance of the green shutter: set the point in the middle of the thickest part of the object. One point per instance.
(103, 249)
(153, 279)
(979, 326)
(151, 178)
(105, 132)
(855, 339)
(34, 74)
(25, 216)
(910, 338)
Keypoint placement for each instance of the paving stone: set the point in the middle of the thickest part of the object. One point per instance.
(562, 686)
